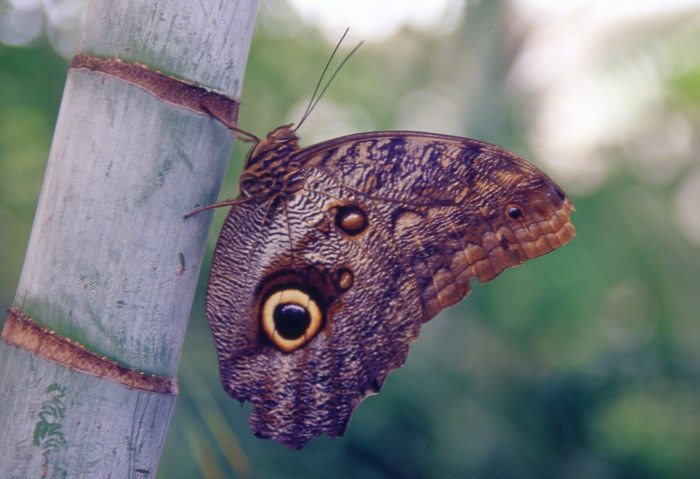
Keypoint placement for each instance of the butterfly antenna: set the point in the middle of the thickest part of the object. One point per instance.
(248, 136)
(316, 96)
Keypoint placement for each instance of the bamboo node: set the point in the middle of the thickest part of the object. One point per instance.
(23, 332)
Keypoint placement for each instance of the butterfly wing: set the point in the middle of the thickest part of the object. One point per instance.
(457, 208)
(380, 232)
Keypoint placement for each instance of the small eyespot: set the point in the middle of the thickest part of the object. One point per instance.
(345, 279)
(514, 212)
(350, 219)
(290, 318)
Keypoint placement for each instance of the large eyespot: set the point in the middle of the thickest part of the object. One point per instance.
(350, 219)
(290, 318)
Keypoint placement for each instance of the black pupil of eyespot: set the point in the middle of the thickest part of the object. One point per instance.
(291, 320)
(515, 212)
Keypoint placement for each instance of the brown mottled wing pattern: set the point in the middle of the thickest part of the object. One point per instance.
(437, 210)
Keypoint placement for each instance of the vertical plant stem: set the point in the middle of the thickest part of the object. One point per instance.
(111, 264)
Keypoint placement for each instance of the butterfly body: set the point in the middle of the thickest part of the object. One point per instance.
(335, 254)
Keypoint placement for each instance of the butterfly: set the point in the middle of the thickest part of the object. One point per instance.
(334, 255)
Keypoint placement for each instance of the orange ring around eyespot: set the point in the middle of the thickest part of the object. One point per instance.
(290, 296)
(519, 209)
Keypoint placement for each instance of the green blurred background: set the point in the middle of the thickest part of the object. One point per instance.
(584, 363)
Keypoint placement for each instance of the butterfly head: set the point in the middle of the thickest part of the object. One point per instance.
(279, 143)
(267, 168)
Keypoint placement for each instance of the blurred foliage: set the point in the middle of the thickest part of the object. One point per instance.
(583, 363)
(31, 81)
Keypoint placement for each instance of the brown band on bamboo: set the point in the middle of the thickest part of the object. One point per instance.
(172, 90)
(22, 331)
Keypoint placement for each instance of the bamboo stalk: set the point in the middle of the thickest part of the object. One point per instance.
(111, 266)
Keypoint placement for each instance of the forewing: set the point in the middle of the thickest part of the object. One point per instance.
(456, 208)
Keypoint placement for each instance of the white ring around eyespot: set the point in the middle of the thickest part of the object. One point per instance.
(290, 296)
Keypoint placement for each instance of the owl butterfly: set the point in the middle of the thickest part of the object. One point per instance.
(334, 255)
